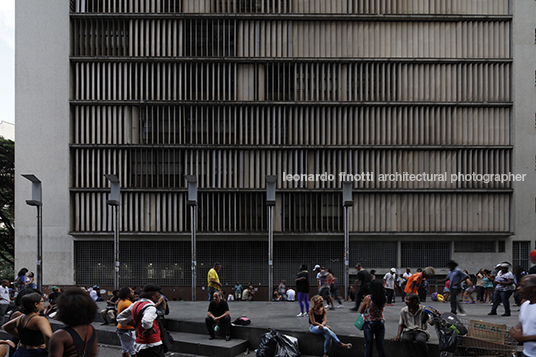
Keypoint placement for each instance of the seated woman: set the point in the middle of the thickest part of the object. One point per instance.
(318, 326)
(33, 330)
(77, 310)
(276, 296)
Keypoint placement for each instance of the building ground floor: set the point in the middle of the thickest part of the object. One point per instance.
(244, 259)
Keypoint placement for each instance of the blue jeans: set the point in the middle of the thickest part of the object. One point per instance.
(504, 297)
(374, 330)
(329, 336)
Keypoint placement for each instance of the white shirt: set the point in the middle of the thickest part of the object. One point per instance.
(4, 295)
(147, 319)
(93, 295)
(291, 295)
(389, 280)
(527, 317)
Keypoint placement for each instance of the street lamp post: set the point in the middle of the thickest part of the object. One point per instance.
(36, 201)
(192, 202)
(115, 202)
(347, 202)
(270, 202)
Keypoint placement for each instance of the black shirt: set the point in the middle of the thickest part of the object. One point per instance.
(218, 310)
(364, 276)
(302, 286)
(532, 270)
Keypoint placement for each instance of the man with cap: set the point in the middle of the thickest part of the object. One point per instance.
(389, 282)
(532, 258)
(504, 288)
(456, 277)
(143, 316)
(525, 331)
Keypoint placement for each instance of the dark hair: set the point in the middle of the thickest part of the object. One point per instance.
(149, 290)
(124, 293)
(377, 292)
(303, 267)
(24, 292)
(216, 264)
(27, 304)
(412, 297)
(22, 272)
(31, 274)
(76, 307)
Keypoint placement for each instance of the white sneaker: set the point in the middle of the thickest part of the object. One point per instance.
(300, 314)
(340, 306)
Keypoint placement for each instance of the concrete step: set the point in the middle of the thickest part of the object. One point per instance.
(192, 343)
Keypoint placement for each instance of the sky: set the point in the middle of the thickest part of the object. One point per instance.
(7, 60)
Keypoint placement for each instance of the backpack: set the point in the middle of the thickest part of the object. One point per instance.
(242, 321)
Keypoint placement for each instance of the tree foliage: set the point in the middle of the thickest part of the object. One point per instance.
(7, 205)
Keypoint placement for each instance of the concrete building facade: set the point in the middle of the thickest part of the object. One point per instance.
(427, 105)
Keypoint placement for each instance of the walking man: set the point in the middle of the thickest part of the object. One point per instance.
(525, 331)
(365, 278)
(214, 280)
(456, 277)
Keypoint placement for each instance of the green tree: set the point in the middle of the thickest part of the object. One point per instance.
(7, 207)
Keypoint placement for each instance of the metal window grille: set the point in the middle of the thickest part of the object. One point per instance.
(241, 261)
(163, 263)
(520, 254)
(474, 247)
(502, 246)
(422, 254)
(374, 254)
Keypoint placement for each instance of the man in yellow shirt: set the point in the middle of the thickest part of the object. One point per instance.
(214, 280)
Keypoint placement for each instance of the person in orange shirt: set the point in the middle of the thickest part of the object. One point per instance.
(414, 282)
(127, 333)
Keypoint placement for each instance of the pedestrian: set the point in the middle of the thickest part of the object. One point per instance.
(77, 310)
(414, 282)
(214, 280)
(218, 316)
(29, 281)
(405, 277)
(144, 315)
(21, 279)
(318, 324)
(111, 309)
(282, 290)
(126, 333)
(5, 299)
(532, 258)
(325, 290)
(525, 331)
(302, 286)
(488, 286)
(32, 329)
(372, 311)
(389, 281)
(365, 278)
(519, 273)
(238, 291)
(480, 285)
(413, 328)
(504, 288)
(456, 277)
(334, 290)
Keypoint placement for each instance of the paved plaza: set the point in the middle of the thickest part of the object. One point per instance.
(282, 315)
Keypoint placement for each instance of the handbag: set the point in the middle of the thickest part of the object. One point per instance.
(165, 336)
(359, 322)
